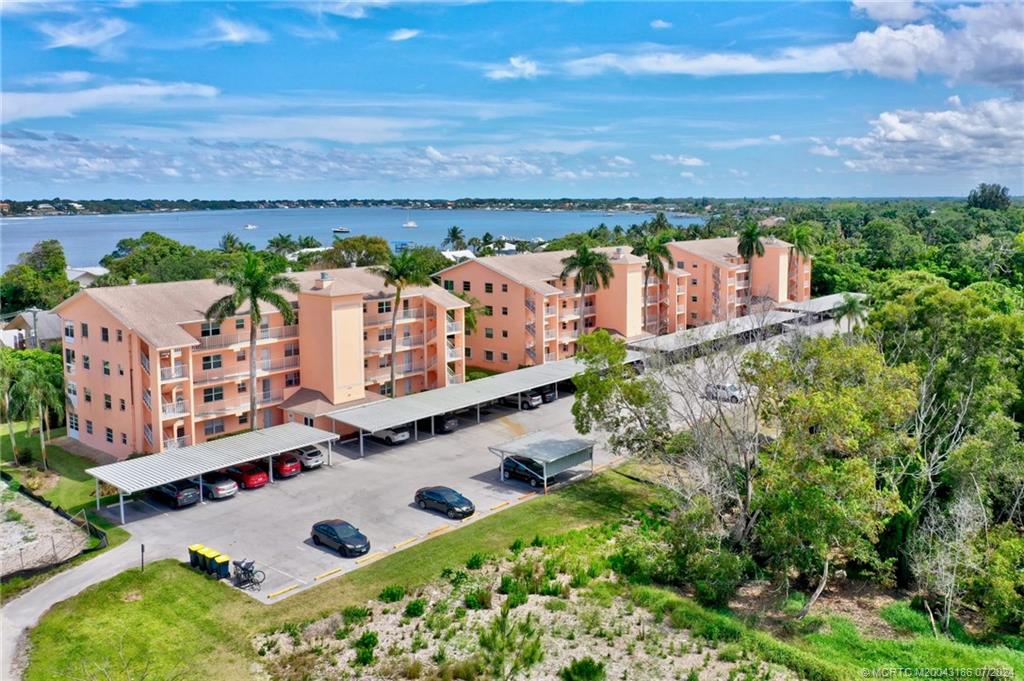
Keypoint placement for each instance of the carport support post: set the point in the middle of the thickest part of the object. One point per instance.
(120, 498)
(330, 452)
(270, 467)
(97, 495)
(519, 401)
(360, 442)
(545, 477)
(416, 431)
(200, 488)
(556, 391)
(478, 413)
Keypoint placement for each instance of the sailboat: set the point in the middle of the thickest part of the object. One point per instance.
(409, 222)
(251, 226)
(341, 230)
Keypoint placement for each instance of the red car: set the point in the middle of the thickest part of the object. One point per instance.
(285, 465)
(247, 475)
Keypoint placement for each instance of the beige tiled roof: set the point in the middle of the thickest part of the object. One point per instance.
(156, 311)
(722, 249)
(535, 270)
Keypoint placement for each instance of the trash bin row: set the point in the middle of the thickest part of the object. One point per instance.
(210, 561)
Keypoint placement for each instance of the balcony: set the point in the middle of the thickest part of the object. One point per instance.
(383, 374)
(571, 313)
(220, 407)
(173, 373)
(145, 362)
(550, 357)
(680, 288)
(174, 408)
(453, 377)
(652, 300)
(531, 353)
(147, 432)
(72, 399)
(550, 334)
(531, 330)
(453, 327)
(385, 318)
(263, 367)
(571, 335)
(530, 305)
(147, 399)
(589, 309)
(452, 352)
(549, 310)
(175, 442)
(69, 368)
(680, 309)
(267, 334)
(381, 347)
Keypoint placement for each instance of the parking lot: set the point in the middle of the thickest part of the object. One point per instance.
(271, 525)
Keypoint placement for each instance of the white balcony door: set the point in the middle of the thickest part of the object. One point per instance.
(265, 359)
(267, 418)
(266, 389)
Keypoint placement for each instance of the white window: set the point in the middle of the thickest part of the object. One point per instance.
(291, 350)
(72, 390)
(291, 379)
(69, 330)
(214, 427)
(73, 421)
(308, 421)
(383, 306)
(209, 329)
(211, 362)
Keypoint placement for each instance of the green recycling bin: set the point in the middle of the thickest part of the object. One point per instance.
(222, 566)
(206, 557)
(193, 554)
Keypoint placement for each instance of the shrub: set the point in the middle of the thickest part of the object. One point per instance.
(715, 577)
(641, 559)
(355, 615)
(475, 562)
(517, 595)
(455, 577)
(583, 669)
(517, 546)
(730, 653)
(579, 579)
(556, 605)
(364, 646)
(536, 542)
(392, 593)
(479, 599)
(415, 608)
(12, 515)
(412, 669)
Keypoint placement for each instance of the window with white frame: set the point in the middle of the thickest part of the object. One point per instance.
(212, 362)
(213, 394)
(73, 421)
(209, 329)
(214, 427)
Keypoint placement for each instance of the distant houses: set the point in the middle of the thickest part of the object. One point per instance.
(85, 276)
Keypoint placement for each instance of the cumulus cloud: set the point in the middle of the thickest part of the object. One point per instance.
(231, 32)
(823, 150)
(660, 24)
(87, 34)
(897, 12)
(679, 160)
(350, 9)
(403, 34)
(742, 142)
(619, 162)
(987, 134)
(517, 67)
(58, 78)
(983, 44)
(28, 105)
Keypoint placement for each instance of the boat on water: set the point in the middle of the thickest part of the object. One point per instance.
(410, 224)
(251, 226)
(341, 230)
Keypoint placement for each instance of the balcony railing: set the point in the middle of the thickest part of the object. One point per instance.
(69, 368)
(175, 408)
(531, 330)
(652, 300)
(262, 334)
(453, 377)
(550, 357)
(530, 305)
(549, 310)
(571, 313)
(175, 442)
(174, 372)
(145, 362)
(147, 432)
(381, 374)
(452, 352)
(453, 327)
(385, 318)
(590, 308)
(680, 288)
(73, 398)
(231, 406)
(242, 370)
(571, 335)
(549, 334)
(531, 353)
(384, 346)
(680, 308)
(147, 399)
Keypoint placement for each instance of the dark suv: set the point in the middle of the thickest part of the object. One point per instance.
(522, 468)
(177, 494)
(443, 423)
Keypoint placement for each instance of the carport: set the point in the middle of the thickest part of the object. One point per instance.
(146, 472)
(817, 309)
(375, 416)
(555, 453)
(692, 338)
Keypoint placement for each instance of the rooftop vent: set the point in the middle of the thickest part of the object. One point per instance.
(323, 282)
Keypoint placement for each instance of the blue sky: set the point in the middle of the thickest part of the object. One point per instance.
(392, 99)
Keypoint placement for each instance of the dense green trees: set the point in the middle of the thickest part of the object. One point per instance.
(32, 382)
(990, 197)
(38, 279)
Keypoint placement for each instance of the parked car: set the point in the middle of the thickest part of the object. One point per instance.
(527, 400)
(446, 500)
(217, 486)
(177, 494)
(392, 436)
(341, 536)
(443, 423)
(310, 457)
(725, 392)
(522, 468)
(547, 393)
(247, 475)
(286, 465)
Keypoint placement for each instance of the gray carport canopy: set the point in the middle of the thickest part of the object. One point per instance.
(408, 408)
(146, 472)
(556, 453)
(698, 335)
(820, 304)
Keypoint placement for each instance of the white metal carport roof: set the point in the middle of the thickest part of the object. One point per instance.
(821, 303)
(710, 332)
(401, 410)
(556, 453)
(146, 472)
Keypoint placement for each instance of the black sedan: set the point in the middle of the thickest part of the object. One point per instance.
(443, 423)
(344, 537)
(524, 469)
(446, 500)
(177, 494)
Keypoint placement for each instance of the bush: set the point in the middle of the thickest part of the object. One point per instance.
(415, 608)
(479, 599)
(412, 669)
(355, 615)
(455, 577)
(475, 562)
(537, 541)
(12, 515)
(583, 669)
(517, 546)
(642, 559)
(392, 593)
(364, 646)
(715, 577)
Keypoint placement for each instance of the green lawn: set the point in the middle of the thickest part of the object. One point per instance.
(171, 614)
(473, 373)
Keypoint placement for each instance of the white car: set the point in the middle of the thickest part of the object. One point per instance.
(392, 436)
(311, 456)
(727, 392)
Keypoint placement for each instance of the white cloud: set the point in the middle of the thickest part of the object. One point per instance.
(679, 160)
(895, 12)
(619, 162)
(345, 129)
(27, 105)
(517, 67)
(736, 172)
(58, 78)
(742, 142)
(984, 135)
(86, 34)
(350, 9)
(687, 174)
(823, 150)
(660, 24)
(231, 32)
(985, 44)
(403, 34)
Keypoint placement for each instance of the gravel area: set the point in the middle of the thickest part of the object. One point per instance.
(34, 536)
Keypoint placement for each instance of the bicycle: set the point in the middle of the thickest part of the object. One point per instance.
(246, 574)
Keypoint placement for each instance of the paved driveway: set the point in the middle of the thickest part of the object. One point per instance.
(271, 525)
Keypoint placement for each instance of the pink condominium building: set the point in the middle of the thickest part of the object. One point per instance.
(144, 371)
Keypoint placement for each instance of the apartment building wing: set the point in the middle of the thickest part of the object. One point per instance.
(145, 371)
(722, 285)
(529, 316)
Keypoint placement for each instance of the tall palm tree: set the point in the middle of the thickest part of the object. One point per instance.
(402, 270)
(474, 243)
(801, 240)
(307, 241)
(455, 239)
(229, 243)
(750, 243)
(853, 308)
(653, 247)
(9, 378)
(40, 396)
(587, 268)
(282, 244)
(469, 314)
(253, 283)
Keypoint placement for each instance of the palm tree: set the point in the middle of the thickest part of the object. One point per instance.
(801, 240)
(750, 243)
(469, 314)
(40, 396)
(282, 244)
(229, 243)
(253, 283)
(307, 241)
(474, 243)
(9, 378)
(455, 239)
(587, 268)
(402, 270)
(852, 308)
(654, 248)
